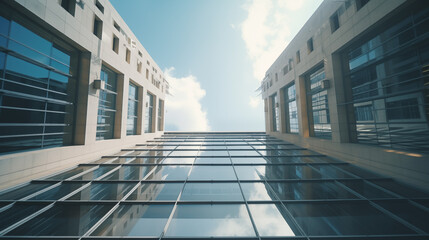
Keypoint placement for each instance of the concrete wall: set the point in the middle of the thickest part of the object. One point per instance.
(404, 166)
(77, 31)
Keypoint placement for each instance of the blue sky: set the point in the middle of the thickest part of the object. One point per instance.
(214, 54)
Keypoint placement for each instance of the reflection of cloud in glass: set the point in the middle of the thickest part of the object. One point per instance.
(255, 191)
(210, 220)
(269, 221)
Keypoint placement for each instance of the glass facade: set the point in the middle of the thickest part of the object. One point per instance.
(389, 78)
(320, 122)
(160, 115)
(215, 185)
(275, 112)
(291, 110)
(37, 90)
(107, 104)
(133, 103)
(148, 121)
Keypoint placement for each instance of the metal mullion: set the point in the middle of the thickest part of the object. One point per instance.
(167, 224)
(244, 198)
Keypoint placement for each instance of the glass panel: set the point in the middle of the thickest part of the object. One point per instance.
(250, 172)
(58, 192)
(63, 220)
(213, 160)
(170, 173)
(18, 212)
(24, 191)
(70, 173)
(178, 161)
(310, 190)
(204, 220)
(351, 218)
(213, 153)
(271, 220)
(328, 171)
(91, 175)
(238, 160)
(212, 192)
(135, 220)
(401, 189)
(157, 191)
(256, 191)
(244, 153)
(405, 210)
(129, 173)
(103, 191)
(212, 173)
(367, 190)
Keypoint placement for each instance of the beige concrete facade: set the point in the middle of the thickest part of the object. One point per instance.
(328, 45)
(130, 60)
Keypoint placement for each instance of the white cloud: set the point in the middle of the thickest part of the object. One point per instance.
(183, 108)
(254, 102)
(266, 31)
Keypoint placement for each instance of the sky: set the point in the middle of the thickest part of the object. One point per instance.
(214, 54)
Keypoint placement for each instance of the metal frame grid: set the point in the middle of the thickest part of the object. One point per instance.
(322, 190)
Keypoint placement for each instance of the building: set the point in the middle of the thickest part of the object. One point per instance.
(75, 84)
(353, 84)
(82, 132)
(214, 185)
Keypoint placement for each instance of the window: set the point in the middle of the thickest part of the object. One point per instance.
(277, 77)
(275, 112)
(147, 74)
(98, 27)
(360, 4)
(403, 109)
(139, 66)
(160, 115)
(133, 103)
(128, 55)
(115, 25)
(318, 105)
(285, 69)
(298, 57)
(364, 113)
(140, 54)
(107, 104)
(37, 91)
(115, 44)
(99, 6)
(69, 6)
(149, 113)
(335, 22)
(310, 45)
(291, 109)
(148, 63)
(290, 64)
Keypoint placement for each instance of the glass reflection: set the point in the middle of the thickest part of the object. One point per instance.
(70, 173)
(366, 189)
(170, 173)
(213, 160)
(58, 192)
(135, 220)
(17, 212)
(271, 220)
(212, 192)
(248, 160)
(351, 218)
(243, 153)
(250, 172)
(63, 220)
(23, 191)
(212, 173)
(256, 191)
(129, 173)
(179, 160)
(213, 153)
(103, 191)
(205, 220)
(156, 192)
(310, 190)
